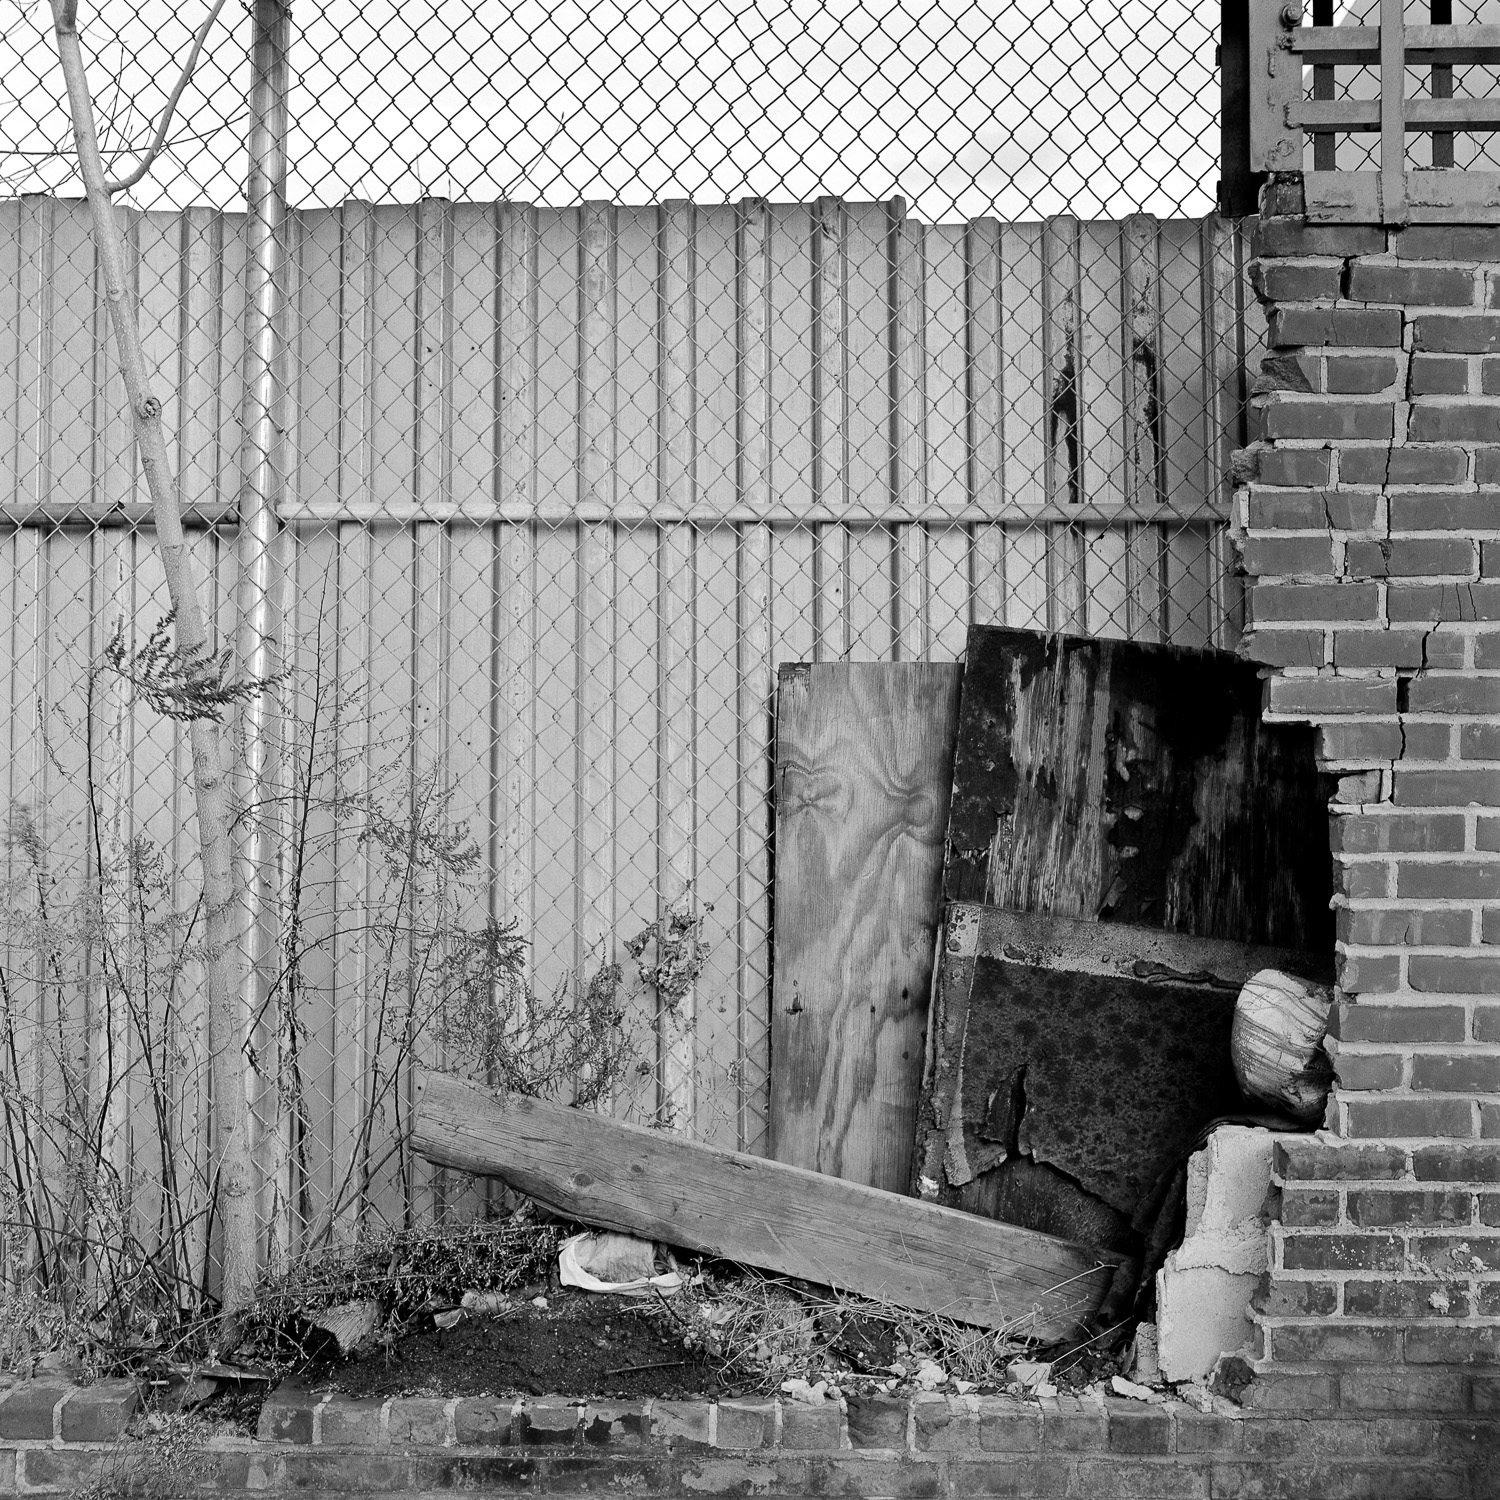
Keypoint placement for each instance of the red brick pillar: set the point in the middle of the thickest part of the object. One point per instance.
(1369, 513)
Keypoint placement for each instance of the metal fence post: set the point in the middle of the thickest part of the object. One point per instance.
(258, 602)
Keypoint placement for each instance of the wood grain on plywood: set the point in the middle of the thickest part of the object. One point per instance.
(863, 752)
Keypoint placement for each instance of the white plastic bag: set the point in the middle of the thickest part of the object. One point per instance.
(1277, 1042)
(609, 1262)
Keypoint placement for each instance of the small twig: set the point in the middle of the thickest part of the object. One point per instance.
(681, 1321)
(665, 1364)
(144, 165)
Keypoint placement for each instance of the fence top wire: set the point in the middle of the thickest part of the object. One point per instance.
(1015, 108)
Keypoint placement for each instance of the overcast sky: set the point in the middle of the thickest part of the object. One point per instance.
(1017, 108)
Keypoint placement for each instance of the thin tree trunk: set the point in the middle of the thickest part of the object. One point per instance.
(231, 1143)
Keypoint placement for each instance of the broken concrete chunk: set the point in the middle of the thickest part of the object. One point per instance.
(1122, 1387)
(1029, 1373)
(1204, 1287)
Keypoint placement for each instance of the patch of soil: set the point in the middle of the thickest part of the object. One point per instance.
(1074, 1372)
(579, 1345)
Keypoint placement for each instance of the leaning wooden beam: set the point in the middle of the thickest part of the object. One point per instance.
(764, 1213)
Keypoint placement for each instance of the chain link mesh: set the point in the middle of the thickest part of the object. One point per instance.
(617, 354)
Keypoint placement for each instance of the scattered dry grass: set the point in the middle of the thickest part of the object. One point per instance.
(406, 1271)
(768, 1329)
(165, 1461)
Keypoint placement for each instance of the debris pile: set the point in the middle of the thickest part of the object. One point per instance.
(1043, 923)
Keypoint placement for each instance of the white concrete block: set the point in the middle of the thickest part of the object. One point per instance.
(1204, 1286)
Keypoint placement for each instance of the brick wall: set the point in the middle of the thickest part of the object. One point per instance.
(56, 1441)
(1369, 515)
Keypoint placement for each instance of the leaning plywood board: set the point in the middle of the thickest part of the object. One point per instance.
(864, 756)
(763, 1213)
(1095, 1049)
(1126, 782)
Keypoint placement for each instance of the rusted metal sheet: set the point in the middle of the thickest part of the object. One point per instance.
(1126, 782)
(1095, 1050)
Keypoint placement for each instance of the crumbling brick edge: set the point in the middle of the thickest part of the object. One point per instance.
(1328, 1434)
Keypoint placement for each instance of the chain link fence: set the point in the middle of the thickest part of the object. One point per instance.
(540, 377)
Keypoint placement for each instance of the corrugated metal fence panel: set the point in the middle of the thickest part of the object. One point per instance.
(563, 486)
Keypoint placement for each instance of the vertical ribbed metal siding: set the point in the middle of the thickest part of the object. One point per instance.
(565, 485)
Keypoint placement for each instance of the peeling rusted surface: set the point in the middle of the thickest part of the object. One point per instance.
(1126, 782)
(1095, 1051)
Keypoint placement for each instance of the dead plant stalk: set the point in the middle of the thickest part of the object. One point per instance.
(236, 1205)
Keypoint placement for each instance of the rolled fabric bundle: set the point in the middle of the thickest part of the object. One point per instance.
(1277, 1042)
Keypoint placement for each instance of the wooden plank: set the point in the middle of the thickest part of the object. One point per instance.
(1117, 781)
(862, 758)
(1431, 197)
(1093, 1050)
(765, 1213)
(1392, 111)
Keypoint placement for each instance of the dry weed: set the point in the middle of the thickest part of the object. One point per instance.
(768, 1329)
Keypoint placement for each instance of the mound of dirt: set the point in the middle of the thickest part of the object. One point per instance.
(578, 1345)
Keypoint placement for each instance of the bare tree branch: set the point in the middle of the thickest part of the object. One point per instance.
(152, 151)
(231, 1144)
